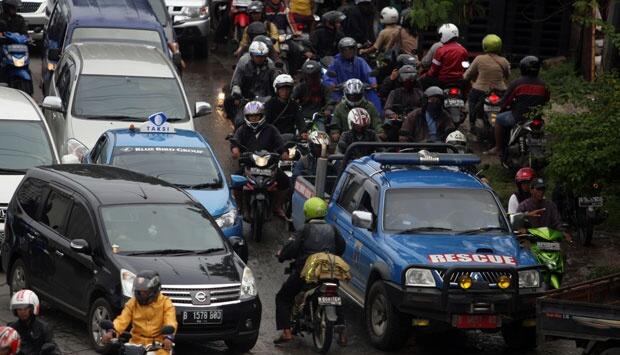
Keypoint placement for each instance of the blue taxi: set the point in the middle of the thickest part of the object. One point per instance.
(178, 156)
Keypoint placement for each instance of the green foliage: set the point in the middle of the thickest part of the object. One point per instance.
(429, 13)
(565, 85)
(583, 16)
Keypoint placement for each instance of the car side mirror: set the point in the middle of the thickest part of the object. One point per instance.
(237, 181)
(52, 103)
(518, 221)
(80, 245)
(202, 109)
(362, 219)
(53, 54)
(237, 244)
(69, 159)
(167, 330)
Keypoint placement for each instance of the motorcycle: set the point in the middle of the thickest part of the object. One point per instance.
(454, 103)
(581, 212)
(486, 111)
(15, 61)
(240, 18)
(526, 145)
(544, 243)
(127, 348)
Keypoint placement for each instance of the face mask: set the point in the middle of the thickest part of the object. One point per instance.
(434, 108)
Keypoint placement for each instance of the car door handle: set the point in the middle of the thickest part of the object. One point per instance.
(59, 253)
(31, 236)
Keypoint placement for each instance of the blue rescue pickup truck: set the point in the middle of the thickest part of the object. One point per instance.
(428, 243)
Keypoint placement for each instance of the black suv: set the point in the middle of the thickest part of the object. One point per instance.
(78, 234)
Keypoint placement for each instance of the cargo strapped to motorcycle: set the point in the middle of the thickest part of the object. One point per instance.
(325, 266)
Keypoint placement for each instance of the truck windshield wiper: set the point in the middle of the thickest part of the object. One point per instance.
(425, 229)
(5, 171)
(481, 230)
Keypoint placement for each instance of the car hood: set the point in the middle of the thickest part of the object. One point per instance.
(454, 250)
(185, 2)
(8, 185)
(217, 202)
(186, 270)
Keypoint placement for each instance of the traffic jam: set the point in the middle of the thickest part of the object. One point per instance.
(280, 177)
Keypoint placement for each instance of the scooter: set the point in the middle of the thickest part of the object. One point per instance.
(15, 61)
(526, 145)
(454, 100)
(486, 112)
(582, 212)
(127, 348)
(544, 243)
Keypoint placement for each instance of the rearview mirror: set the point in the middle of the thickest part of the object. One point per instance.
(362, 219)
(203, 109)
(237, 181)
(80, 245)
(53, 54)
(52, 103)
(517, 221)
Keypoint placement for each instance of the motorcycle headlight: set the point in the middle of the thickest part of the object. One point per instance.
(260, 161)
(420, 278)
(127, 278)
(19, 62)
(292, 151)
(529, 279)
(196, 12)
(227, 219)
(248, 284)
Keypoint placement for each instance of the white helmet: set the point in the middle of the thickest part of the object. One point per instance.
(389, 16)
(447, 31)
(25, 298)
(283, 80)
(359, 117)
(254, 108)
(353, 92)
(457, 138)
(259, 49)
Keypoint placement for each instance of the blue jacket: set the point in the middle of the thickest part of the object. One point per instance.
(355, 69)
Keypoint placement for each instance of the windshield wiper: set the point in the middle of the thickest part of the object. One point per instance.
(161, 252)
(116, 117)
(208, 251)
(5, 171)
(207, 185)
(425, 229)
(175, 119)
(481, 230)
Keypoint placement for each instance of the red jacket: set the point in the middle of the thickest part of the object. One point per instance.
(447, 61)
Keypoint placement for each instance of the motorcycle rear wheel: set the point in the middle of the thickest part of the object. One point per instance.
(322, 332)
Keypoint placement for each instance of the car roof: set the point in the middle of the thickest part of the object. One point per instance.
(125, 137)
(122, 60)
(418, 176)
(114, 13)
(111, 185)
(17, 105)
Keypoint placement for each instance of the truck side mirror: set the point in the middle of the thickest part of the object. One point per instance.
(517, 221)
(362, 219)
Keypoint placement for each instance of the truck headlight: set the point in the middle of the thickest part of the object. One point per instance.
(248, 284)
(529, 279)
(419, 277)
(127, 278)
(227, 219)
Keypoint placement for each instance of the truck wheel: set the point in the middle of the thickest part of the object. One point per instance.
(387, 327)
(100, 310)
(518, 337)
(237, 346)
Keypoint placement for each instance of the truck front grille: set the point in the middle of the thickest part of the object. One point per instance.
(490, 277)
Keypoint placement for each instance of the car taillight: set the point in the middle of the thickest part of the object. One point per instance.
(454, 91)
(537, 123)
(493, 98)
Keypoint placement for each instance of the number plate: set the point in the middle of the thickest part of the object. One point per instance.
(491, 108)
(330, 301)
(590, 201)
(454, 103)
(211, 316)
(537, 142)
(257, 171)
(548, 246)
(471, 321)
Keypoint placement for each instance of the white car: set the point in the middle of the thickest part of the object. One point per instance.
(191, 22)
(25, 142)
(36, 16)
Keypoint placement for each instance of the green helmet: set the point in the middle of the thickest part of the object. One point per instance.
(315, 207)
(492, 44)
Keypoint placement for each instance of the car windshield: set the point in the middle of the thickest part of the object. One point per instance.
(24, 144)
(130, 97)
(124, 35)
(184, 167)
(441, 211)
(148, 227)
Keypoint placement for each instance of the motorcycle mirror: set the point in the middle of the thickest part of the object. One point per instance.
(167, 330)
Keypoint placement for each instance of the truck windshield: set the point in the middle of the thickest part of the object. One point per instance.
(147, 227)
(441, 211)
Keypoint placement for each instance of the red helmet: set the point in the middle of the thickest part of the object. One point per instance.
(10, 340)
(525, 174)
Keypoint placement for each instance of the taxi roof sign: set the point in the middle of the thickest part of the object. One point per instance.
(157, 123)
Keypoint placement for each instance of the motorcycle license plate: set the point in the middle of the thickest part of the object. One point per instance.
(590, 201)
(454, 103)
(211, 316)
(263, 172)
(284, 47)
(538, 142)
(545, 246)
(474, 321)
(241, 3)
(330, 301)
(490, 108)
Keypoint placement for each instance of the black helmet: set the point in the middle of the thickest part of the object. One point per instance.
(256, 28)
(263, 38)
(332, 17)
(346, 42)
(147, 280)
(16, 3)
(311, 67)
(530, 66)
(406, 59)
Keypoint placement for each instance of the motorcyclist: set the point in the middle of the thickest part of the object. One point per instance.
(522, 96)
(10, 20)
(488, 71)
(406, 39)
(447, 64)
(347, 65)
(353, 98)
(10, 342)
(409, 96)
(255, 10)
(391, 82)
(310, 92)
(255, 135)
(246, 57)
(359, 22)
(389, 18)
(359, 121)
(327, 35)
(316, 236)
(283, 112)
(523, 179)
(275, 12)
(429, 123)
(306, 165)
(34, 333)
(147, 312)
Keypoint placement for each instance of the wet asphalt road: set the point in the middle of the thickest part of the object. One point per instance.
(203, 80)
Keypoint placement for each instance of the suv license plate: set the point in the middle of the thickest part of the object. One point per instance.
(454, 103)
(475, 321)
(491, 108)
(330, 301)
(545, 246)
(590, 201)
(211, 316)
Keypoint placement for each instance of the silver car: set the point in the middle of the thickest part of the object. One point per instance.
(191, 22)
(99, 86)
